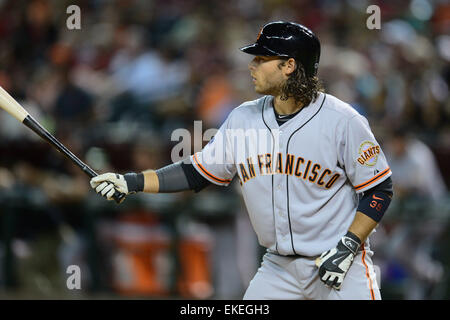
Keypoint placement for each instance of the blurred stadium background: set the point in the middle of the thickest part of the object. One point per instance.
(115, 90)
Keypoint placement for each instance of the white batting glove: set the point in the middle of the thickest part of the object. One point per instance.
(333, 264)
(106, 184)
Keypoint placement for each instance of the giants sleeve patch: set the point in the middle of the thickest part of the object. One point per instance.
(368, 153)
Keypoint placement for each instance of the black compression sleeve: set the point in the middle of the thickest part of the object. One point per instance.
(376, 200)
(195, 179)
(385, 186)
(180, 177)
(172, 179)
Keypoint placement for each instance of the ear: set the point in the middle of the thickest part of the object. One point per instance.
(290, 66)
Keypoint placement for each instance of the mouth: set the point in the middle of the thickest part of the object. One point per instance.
(253, 79)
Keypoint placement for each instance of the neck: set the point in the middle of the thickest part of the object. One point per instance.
(288, 106)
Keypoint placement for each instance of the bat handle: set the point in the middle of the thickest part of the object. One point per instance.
(44, 134)
(117, 196)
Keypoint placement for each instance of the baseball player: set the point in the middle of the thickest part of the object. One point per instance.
(314, 179)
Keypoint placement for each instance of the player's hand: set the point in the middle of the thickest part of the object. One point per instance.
(106, 184)
(334, 264)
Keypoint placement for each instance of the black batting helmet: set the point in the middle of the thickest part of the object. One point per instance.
(290, 40)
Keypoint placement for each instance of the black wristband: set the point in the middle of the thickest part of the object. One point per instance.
(135, 182)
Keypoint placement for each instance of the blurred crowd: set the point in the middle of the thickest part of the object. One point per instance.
(113, 92)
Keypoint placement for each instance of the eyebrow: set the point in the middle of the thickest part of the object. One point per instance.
(267, 58)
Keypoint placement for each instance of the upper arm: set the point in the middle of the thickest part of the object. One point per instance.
(364, 162)
(215, 162)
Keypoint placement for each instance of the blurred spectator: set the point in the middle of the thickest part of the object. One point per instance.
(407, 240)
(417, 174)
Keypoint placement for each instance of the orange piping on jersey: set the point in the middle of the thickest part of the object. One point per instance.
(210, 175)
(372, 294)
(377, 177)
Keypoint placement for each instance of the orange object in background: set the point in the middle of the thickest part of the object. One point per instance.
(144, 265)
(142, 262)
(215, 95)
(139, 268)
(195, 268)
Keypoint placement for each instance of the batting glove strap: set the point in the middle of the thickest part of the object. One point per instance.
(135, 182)
(351, 242)
(335, 263)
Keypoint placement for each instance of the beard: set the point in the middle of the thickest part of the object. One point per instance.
(269, 88)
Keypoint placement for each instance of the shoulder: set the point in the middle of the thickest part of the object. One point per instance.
(339, 109)
(248, 109)
(342, 118)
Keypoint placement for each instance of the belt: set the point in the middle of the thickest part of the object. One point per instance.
(291, 255)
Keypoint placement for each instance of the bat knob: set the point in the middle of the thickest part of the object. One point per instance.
(119, 197)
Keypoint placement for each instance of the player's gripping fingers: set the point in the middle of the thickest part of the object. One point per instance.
(109, 195)
(324, 276)
(108, 191)
(100, 187)
(338, 283)
(93, 184)
(95, 181)
(332, 281)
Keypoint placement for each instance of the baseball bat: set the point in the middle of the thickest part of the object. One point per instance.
(10, 105)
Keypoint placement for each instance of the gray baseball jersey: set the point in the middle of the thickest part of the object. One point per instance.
(301, 180)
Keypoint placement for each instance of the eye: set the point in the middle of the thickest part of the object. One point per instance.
(260, 59)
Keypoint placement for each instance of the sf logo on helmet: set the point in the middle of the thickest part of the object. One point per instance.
(259, 34)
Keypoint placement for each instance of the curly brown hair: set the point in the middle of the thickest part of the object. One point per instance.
(302, 88)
